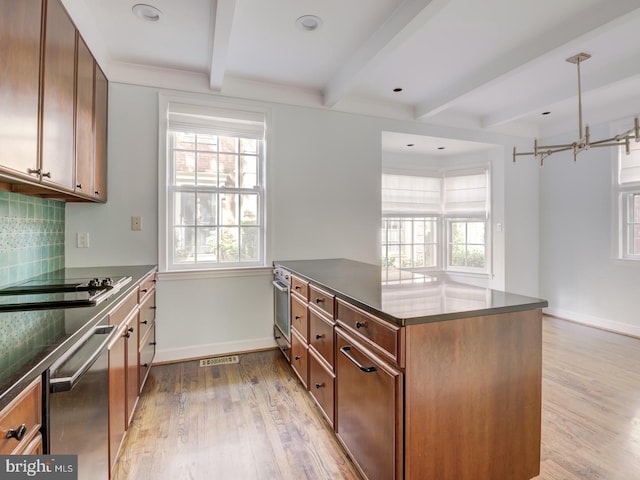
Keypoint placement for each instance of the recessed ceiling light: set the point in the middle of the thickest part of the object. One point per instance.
(308, 23)
(410, 144)
(398, 89)
(146, 12)
(441, 148)
(546, 113)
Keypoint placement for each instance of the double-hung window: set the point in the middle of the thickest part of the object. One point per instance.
(215, 188)
(628, 183)
(436, 221)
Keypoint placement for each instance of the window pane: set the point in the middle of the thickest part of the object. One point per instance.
(184, 208)
(458, 232)
(248, 145)
(228, 144)
(184, 168)
(183, 245)
(458, 256)
(229, 209)
(250, 244)
(184, 141)
(475, 232)
(228, 246)
(636, 208)
(419, 256)
(228, 171)
(207, 209)
(208, 169)
(207, 244)
(248, 171)
(207, 143)
(249, 209)
(475, 256)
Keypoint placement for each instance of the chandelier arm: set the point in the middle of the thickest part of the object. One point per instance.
(578, 60)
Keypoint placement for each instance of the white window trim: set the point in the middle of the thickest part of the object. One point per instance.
(164, 244)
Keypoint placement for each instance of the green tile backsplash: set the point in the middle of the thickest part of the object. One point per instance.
(31, 243)
(31, 236)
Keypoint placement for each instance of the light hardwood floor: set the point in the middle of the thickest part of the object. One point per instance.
(253, 420)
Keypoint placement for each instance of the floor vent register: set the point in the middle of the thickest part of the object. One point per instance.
(229, 359)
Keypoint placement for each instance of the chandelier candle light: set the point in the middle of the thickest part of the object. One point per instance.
(584, 143)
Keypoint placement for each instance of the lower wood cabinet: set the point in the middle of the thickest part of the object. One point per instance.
(117, 394)
(20, 422)
(369, 403)
(321, 385)
(299, 356)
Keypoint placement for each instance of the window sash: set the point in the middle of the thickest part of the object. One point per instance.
(222, 239)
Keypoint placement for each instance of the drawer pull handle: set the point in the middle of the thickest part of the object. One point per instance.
(130, 329)
(145, 365)
(79, 185)
(298, 317)
(17, 433)
(144, 290)
(152, 344)
(346, 349)
(297, 287)
(152, 308)
(319, 300)
(319, 336)
(319, 385)
(32, 171)
(47, 174)
(144, 322)
(297, 357)
(361, 325)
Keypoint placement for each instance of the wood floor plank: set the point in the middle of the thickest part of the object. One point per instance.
(253, 420)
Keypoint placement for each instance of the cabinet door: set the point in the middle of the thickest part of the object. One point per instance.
(368, 410)
(84, 120)
(133, 362)
(57, 161)
(100, 140)
(117, 396)
(19, 84)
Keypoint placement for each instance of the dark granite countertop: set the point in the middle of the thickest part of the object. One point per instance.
(403, 297)
(31, 341)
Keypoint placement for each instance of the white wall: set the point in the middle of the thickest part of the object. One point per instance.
(579, 272)
(323, 192)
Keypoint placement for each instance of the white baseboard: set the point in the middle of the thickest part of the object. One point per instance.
(597, 322)
(166, 355)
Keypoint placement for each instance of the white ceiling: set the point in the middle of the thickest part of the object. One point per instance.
(491, 65)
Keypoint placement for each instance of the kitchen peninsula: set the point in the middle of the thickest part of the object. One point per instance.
(420, 377)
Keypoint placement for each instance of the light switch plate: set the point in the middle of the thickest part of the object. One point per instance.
(136, 223)
(82, 240)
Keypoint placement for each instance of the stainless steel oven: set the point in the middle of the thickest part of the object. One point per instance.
(282, 310)
(78, 404)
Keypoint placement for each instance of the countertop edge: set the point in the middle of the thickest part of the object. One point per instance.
(95, 316)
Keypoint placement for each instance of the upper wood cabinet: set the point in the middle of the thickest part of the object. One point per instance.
(85, 78)
(58, 90)
(100, 138)
(53, 105)
(19, 84)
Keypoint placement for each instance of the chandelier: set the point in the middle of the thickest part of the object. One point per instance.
(584, 142)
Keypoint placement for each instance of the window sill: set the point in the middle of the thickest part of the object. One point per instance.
(171, 276)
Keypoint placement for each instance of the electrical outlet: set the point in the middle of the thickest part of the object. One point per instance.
(83, 239)
(136, 223)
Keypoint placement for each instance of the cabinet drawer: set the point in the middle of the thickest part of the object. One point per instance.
(147, 285)
(299, 286)
(321, 386)
(147, 314)
(24, 414)
(321, 299)
(383, 337)
(299, 357)
(299, 317)
(321, 335)
(124, 308)
(147, 353)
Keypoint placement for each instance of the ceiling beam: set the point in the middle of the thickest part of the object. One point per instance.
(222, 21)
(589, 24)
(410, 16)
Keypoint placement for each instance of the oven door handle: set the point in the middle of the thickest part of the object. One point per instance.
(81, 358)
(281, 287)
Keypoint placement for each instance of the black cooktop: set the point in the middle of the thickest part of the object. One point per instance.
(57, 292)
